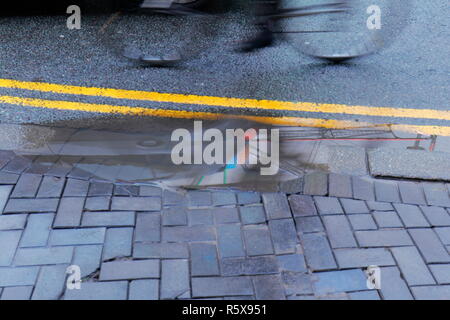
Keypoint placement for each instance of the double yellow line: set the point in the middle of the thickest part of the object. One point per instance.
(232, 103)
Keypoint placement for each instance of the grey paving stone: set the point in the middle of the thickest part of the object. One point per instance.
(37, 230)
(292, 262)
(364, 295)
(413, 268)
(200, 217)
(431, 292)
(276, 205)
(108, 219)
(69, 212)
(76, 188)
(363, 188)
(387, 219)
(363, 258)
(383, 238)
(268, 287)
(221, 286)
(144, 290)
(224, 198)
(31, 205)
(252, 214)
(50, 283)
(43, 256)
(17, 293)
(441, 273)
(412, 193)
(387, 191)
(5, 157)
(111, 290)
(18, 276)
(161, 250)
(291, 186)
(296, 283)
(437, 216)
(18, 164)
(136, 204)
(339, 281)
(173, 198)
(51, 187)
(249, 266)
(13, 222)
(148, 227)
(226, 215)
(87, 258)
(309, 224)
(339, 231)
(248, 197)
(429, 245)
(127, 191)
(302, 206)
(174, 278)
(328, 205)
(340, 185)
(436, 194)
(97, 204)
(186, 234)
(100, 189)
(65, 237)
(118, 243)
(8, 178)
(284, 235)
(174, 216)
(127, 270)
(393, 286)
(316, 184)
(4, 195)
(362, 222)
(411, 215)
(379, 206)
(204, 259)
(257, 240)
(318, 252)
(230, 241)
(444, 234)
(150, 191)
(199, 198)
(9, 240)
(354, 206)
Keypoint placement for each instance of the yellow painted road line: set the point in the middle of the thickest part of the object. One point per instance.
(228, 102)
(183, 114)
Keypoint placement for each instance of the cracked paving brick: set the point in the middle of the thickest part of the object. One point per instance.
(363, 258)
(317, 252)
(43, 256)
(126, 191)
(339, 231)
(204, 259)
(65, 237)
(137, 204)
(328, 205)
(37, 230)
(174, 278)
(111, 290)
(393, 286)
(411, 215)
(118, 243)
(9, 240)
(108, 219)
(127, 270)
(252, 214)
(221, 286)
(269, 287)
(17, 293)
(276, 205)
(412, 193)
(148, 227)
(339, 281)
(31, 205)
(69, 212)
(284, 235)
(437, 216)
(429, 245)
(50, 283)
(12, 222)
(413, 268)
(302, 205)
(257, 240)
(144, 290)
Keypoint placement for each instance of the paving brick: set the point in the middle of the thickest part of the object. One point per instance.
(297, 283)
(257, 240)
(43, 256)
(97, 203)
(436, 194)
(292, 262)
(69, 212)
(429, 245)
(50, 283)
(412, 193)
(339, 281)
(118, 243)
(5, 157)
(161, 250)
(248, 197)
(309, 224)
(204, 259)
(364, 295)
(8, 178)
(339, 231)
(148, 227)
(126, 270)
(387, 191)
(224, 198)
(18, 164)
(413, 268)
(9, 240)
(51, 187)
(444, 234)
(316, 184)
(328, 205)
(18, 276)
(268, 287)
(276, 205)
(431, 292)
(411, 215)
(230, 241)
(383, 238)
(200, 217)
(354, 206)
(37, 230)
(363, 258)
(150, 191)
(221, 286)
(17, 293)
(199, 198)
(65, 237)
(27, 186)
(31, 205)
(302, 206)
(340, 185)
(76, 188)
(379, 206)
(106, 219)
(437, 216)
(173, 198)
(441, 273)
(284, 235)
(318, 252)
(393, 286)
(387, 219)
(12, 222)
(252, 214)
(226, 215)
(136, 203)
(144, 290)
(174, 216)
(127, 191)
(249, 266)
(42, 164)
(5, 191)
(87, 258)
(362, 222)
(174, 278)
(100, 189)
(363, 188)
(186, 234)
(111, 290)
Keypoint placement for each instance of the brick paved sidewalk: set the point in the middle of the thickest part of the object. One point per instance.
(140, 242)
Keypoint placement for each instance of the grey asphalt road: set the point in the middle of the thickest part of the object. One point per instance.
(413, 72)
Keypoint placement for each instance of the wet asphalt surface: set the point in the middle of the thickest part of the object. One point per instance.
(413, 72)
